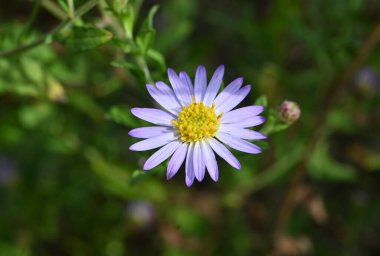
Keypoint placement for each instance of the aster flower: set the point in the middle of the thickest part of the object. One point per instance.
(196, 122)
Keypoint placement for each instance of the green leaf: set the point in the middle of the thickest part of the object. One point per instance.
(147, 32)
(355, 5)
(126, 47)
(12, 249)
(117, 5)
(131, 67)
(323, 167)
(273, 124)
(33, 71)
(63, 4)
(86, 38)
(262, 100)
(85, 104)
(113, 178)
(116, 179)
(122, 115)
(32, 115)
(139, 175)
(189, 221)
(279, 127)
(148, 22)
(341, 120)
(157, 57)
(144, 40)
(127, 19)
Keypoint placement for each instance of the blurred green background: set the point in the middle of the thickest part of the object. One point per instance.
(70, 186)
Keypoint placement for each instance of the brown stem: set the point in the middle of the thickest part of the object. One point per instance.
(330, 98)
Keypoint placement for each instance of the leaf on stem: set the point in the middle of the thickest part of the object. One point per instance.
(86, 38)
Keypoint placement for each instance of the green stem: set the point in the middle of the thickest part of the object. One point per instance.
(54, 9)
(142, 64)
(30, 21)
(47, 38)
(70, 3)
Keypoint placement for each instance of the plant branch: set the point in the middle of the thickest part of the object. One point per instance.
(48, 37)
(330, 99)
(54, 9)
(26, 30)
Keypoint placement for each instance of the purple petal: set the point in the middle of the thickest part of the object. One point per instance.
(211, 163)
(161, 155)
(154, 142)
(200, 83)
(198, 162)
(213, 86)
(230, 89)
(176, 160)
(167, 101)
(189, 166)
(257, 120)
(186, 80)
(241, 132)
(167, 90)
(238, 144)
(240, 114)
(224, 153)
(181, 90)
(153, 115)
(233, 100)
(149, 132)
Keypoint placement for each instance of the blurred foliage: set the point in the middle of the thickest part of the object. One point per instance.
(70, 186)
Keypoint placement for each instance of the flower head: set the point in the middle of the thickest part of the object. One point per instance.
(196, 122)
(289, 111)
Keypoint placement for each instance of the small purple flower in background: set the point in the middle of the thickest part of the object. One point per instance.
(8, 171)
(196, 122)
(367, 81)
(141, 214)
(289, 112)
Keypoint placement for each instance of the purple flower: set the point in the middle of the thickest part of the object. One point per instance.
(8, 171)
(141, 213)
(196, 122)
(367, 81)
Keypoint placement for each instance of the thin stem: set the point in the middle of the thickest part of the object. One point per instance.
(331, 98)
(144, 66)
(70, 3)
(30, 21)
(54, 9)
(48, 37)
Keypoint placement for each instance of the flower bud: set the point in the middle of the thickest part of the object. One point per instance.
(289, 112)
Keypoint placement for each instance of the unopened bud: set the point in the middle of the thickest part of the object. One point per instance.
(289, 112)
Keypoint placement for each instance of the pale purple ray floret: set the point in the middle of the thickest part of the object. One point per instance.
(196, 122)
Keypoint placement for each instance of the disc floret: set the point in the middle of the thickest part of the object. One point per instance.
(197, 122)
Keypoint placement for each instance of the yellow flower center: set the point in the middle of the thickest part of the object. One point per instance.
(197, 122)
